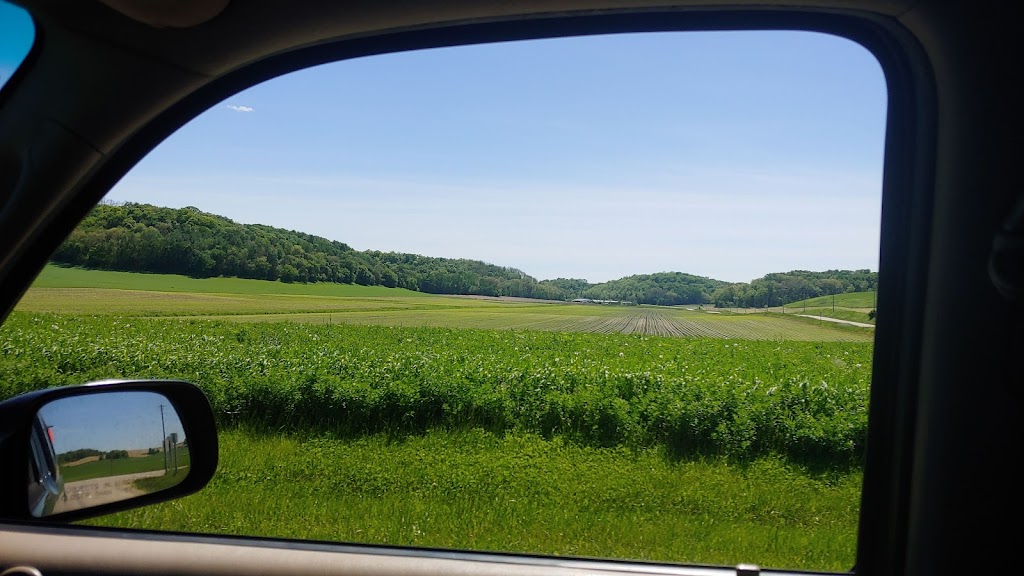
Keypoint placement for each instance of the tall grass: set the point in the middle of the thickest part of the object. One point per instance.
(473, 490)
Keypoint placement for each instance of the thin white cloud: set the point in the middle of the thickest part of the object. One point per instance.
(241, 108)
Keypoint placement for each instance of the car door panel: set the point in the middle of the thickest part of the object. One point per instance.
(74, 550)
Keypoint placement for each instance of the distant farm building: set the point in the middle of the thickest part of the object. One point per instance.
(592, 301)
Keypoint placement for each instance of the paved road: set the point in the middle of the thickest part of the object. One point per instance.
(838, 321)
(87, 493)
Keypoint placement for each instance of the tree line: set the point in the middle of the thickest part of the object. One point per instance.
(76, 455)
(662, 288)
(136, 237)
(145, 238)
(777, 289)
(677, 288)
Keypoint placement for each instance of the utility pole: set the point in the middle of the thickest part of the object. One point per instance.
(163, 435)
(833, 303)
(174, 454)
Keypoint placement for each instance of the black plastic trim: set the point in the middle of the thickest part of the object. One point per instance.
(16, 415)
(906, 211)
(27, 62)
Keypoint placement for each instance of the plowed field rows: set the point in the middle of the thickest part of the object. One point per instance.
(602, 320)
(139, 295)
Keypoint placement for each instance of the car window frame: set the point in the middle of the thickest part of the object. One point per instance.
(23, 67)
(906, 198)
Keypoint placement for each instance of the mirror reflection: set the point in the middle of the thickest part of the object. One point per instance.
(105, 447)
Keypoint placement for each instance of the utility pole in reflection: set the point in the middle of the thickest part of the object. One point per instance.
(163, 436)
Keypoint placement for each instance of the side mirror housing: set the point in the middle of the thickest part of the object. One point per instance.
(77, 452)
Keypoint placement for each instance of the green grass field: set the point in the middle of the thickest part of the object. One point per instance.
(863, 300)
(409, 419)
(123, 302)
(840, 313)
(474, 490)
(853, 307)
(116, 467)
(67, 277)
(119, 466)
(85, 292)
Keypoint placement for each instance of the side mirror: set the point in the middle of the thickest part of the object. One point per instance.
(82, 451)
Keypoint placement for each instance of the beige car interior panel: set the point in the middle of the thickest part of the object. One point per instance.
(53, 554)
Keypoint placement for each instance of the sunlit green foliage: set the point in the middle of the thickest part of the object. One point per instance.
(742, 399)
(475, 490)
(662, 289)
(791, 288)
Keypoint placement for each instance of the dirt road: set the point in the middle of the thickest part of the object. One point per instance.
(838, 321)
(96, 491)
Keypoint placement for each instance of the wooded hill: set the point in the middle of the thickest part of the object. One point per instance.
(144, 238)
(662, 288)
(777, 289)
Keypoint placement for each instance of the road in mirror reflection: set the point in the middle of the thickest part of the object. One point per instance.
(106, 447)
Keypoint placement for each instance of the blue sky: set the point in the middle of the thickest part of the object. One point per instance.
(111, 421)
(16, 36)
(729, 155)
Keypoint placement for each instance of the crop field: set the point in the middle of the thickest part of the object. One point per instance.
(694, 396)
(632, 432)
(591, 318)
(150, 295)
(61, 277)
(124, 302)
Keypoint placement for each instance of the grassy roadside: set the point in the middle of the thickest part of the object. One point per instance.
(847, 300)
(475, 490)
(158, 483)
(838, 313)
(853, 306)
